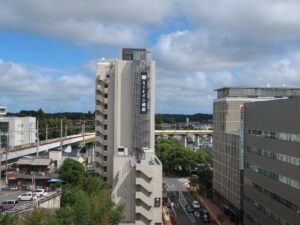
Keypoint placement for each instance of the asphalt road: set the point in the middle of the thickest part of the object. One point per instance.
(179, 198)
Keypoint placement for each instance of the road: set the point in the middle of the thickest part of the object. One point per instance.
(179, 198)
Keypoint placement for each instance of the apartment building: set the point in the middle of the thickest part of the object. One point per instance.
(272, 162)
(228, 142)
(124, 151)
(17, 130)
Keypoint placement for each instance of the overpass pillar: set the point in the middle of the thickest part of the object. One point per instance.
(197, 136)
(184, 140)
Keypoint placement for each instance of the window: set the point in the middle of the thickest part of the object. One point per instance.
(275, 176)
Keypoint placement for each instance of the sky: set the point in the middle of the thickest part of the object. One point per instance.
(49, 49)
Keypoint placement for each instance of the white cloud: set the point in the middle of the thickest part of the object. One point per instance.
(205, 50)
(106, 22)
(193, 92)
(272, 18)
(23, 88)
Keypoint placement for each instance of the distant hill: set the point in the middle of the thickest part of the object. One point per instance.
(181, 118)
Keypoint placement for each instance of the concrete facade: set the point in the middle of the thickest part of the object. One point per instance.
(272, 162)
(17, 131)
(125, 107)
(228, 142)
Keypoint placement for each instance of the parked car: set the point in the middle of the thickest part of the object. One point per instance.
(196, 205)
(206, 218)
(203, 211)
(8, 204)
(189, 209)
(40, 193)
(27, 197)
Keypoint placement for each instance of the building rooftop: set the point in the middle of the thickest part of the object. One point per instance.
(254, 92)
(3, 110)
(34, 161)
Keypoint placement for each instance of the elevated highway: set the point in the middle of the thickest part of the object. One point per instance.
(183, 132)
(11, 153)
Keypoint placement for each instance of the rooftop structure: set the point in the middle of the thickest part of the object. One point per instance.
(255, 92)
(3, 110)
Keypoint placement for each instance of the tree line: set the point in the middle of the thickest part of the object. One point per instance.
(180, 118)
(50, 123)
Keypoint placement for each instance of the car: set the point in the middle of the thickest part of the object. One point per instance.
(29, 196)
(40, 193)
(203, 211)
(8, 204)
(195, 205)
(189, 209)
(206, 218)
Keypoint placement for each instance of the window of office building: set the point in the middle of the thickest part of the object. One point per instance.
(275, 176)
(274, 155)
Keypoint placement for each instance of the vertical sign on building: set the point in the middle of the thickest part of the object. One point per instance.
(144, 97)
(242, 116)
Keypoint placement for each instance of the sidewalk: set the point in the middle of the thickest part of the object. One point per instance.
(212, 208)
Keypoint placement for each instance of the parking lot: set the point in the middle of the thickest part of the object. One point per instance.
(13, 195)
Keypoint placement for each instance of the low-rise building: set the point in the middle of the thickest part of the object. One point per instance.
(17, 131)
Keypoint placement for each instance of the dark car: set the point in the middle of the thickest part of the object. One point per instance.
(8, 204)
(203, 211)
(206, 218)
(189, 209)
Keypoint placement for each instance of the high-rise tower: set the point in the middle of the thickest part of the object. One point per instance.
(124, 153)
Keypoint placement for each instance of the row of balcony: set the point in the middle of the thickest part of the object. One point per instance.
(144, 188)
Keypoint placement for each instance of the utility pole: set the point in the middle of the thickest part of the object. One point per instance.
(66, 130)
(6, 165)
(37, 138)
(61, 132)
(46, 131)
(83, 130)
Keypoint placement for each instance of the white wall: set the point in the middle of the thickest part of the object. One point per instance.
(22, 130)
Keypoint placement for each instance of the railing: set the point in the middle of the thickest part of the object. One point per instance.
(22, 147)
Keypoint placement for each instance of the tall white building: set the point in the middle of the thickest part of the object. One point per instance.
(17, 131)
(124, 152)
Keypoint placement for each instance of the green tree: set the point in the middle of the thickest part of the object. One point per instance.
(37, 217)
(8, 219)
(174, 156)
(72, 172)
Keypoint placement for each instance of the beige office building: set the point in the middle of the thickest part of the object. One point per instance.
(228, 142)
(124, 152)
